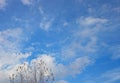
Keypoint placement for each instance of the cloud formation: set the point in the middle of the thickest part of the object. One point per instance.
(46, 23)
(72, 69)
(75, 32)
(84, 39)
(10, 48)
(115, 50)
(110, 76)
(88, 21)
(61, 81)
(27, 2)
(3, 4)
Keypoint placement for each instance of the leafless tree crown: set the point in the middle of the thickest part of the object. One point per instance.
(36, 72)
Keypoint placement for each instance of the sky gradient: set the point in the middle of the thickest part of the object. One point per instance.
(78, 39)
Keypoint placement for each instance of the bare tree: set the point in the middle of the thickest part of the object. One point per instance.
(36, 72)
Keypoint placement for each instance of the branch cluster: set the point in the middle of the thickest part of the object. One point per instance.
(36, 72)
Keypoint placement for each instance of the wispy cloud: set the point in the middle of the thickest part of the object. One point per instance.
(61, 81)
(10, 48)
(115, 50)
(74, 41)
(4, 76)
(46, 23)
(84, 39)
(117, 9)
(88, 21)
(27, 2)
(72, 69)
(110, 76)
(3, 4)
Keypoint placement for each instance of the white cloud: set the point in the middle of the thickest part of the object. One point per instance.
(84, 42)
(10, 46)
(46, 23)
(115, 52)
(2, 4)
(79, 64)
(41, 10)
(4, 77)
(7, 59)
(110, 76)
(84, 39)
(10, 50)
(65, 24)
(10, 38)
(47, 59)
(88, 21)
(117, 9)
(61, 81)
(26, 2)
(72, 69)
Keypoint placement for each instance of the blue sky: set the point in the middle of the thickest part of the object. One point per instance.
(78, 39)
